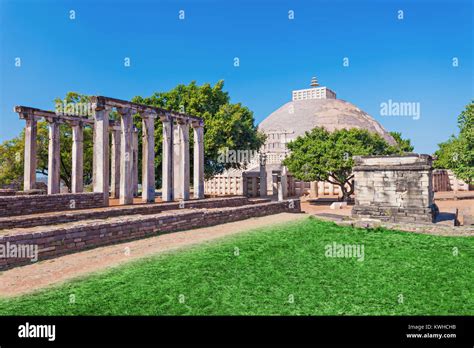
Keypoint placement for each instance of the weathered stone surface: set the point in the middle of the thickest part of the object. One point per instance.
(183, 169)
(33, 204)
(60, 215)
(101, 152)
(148, 160)
(167, 161)
(198, 165)
(393, 188)
(115, 163)
(126, 160)
(53, 157)
(29, 178)
(77, 170)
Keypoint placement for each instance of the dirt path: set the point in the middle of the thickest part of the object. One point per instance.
(27, 279)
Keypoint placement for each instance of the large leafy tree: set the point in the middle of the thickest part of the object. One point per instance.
(11, 162)
(227, 125)
(457, 153)
(327, 156)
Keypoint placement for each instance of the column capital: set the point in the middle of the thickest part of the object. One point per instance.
(183, 121)
(98, 105)
(149, 114)
(24, 115)
(166, 117)
(56, 120)
(74, 123)
(197, 124)
(126, 111)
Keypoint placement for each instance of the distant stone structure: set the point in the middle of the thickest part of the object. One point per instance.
(394, 188)
(309, 108)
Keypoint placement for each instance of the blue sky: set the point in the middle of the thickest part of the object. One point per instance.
(407, 60)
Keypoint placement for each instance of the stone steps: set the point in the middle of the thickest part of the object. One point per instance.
(69, 215)
(73, 236)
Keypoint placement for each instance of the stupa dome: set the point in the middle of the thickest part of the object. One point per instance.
(313, 107)
(298, 116)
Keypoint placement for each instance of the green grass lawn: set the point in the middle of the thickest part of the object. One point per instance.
(279, 270)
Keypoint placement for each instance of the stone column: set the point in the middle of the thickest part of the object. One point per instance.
(148, 158)
(176, 162)
(115, 162)
(254, 186)
(126, 157)
(135, 161)
(29, 174)
(280, 191)
(244, 185)
(313, 190)
(198, 164)
(183, 168)
(101, 151)
(284, 182)
(54, 156)
(275, 184)
(77, 172)
(263, 175)
(167, 160)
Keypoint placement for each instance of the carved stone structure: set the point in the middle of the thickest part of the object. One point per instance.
(116, 169)
(394, 188)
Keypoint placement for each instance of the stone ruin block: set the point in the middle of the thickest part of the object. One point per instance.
(394, 188)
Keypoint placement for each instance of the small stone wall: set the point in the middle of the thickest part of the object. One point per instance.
(394, 188)
(70, 215)
(53, 241)
(22, 205)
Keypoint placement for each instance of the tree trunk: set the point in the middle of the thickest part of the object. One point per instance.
(346, 194)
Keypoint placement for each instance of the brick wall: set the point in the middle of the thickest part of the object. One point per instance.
(23, 205)
(394, 188)
(72, 215)
(53, 241)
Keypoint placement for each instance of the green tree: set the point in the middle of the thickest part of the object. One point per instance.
(227, 125)
(327, 156)
(457, 153)
(404, 145)
(11, 162)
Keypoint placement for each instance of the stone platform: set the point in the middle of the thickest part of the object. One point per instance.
(69, 232)
(65, 214)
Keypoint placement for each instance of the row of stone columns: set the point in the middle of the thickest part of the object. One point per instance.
(54, 159)
(176, 172)
(175, 164)
(122, 175)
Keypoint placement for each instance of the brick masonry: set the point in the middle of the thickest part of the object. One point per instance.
(394, 188)
(65, 214)
(53, 241)
(33, 204)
